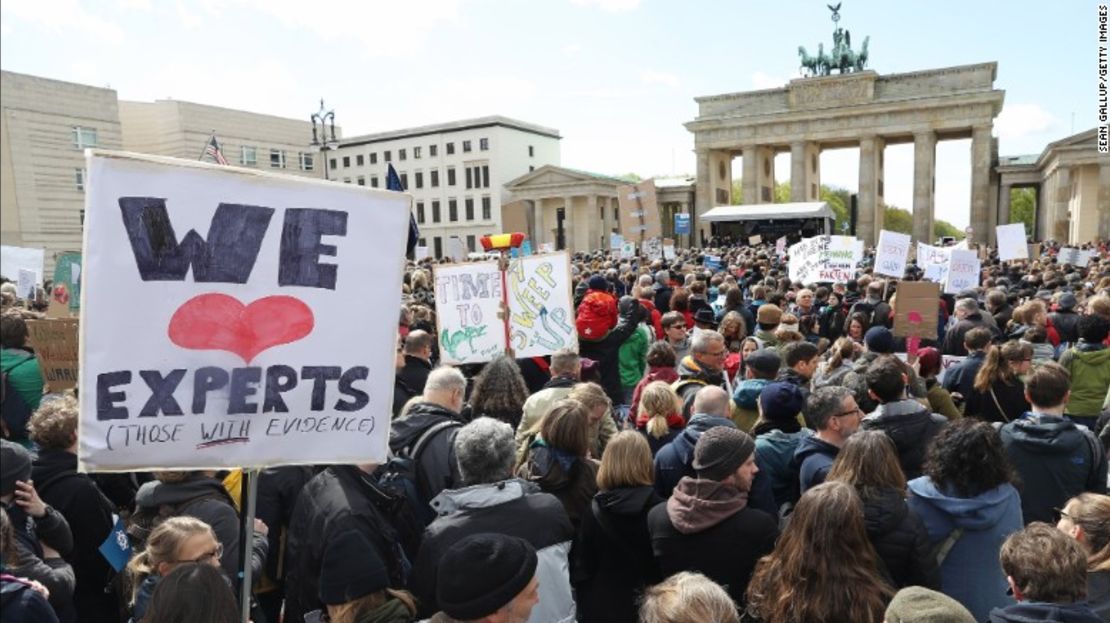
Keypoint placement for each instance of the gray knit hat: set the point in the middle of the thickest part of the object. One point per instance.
(720, 451)
(916, 604)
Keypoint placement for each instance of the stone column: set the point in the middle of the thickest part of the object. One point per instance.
(924, 181)
(765, 174)
(749, 182)
(1060, 210)
(869, 215)
(1104, 200)
(570, 232)
(592, 207)
(805, 181)
(703, 190)
(538, 236)
(980, 183)
(1004, 193)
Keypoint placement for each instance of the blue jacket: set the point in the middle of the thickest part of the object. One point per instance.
(814, 459)
(961, 377)
(775, 453)
(970, 573)
(1030, 611)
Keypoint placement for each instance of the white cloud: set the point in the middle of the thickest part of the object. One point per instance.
(571, 49)
(63, 17)
(1021, 120)
(187, 18)
(611, 6)
(761, 80)
(659, 77)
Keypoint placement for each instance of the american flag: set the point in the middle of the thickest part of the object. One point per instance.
(213, 149)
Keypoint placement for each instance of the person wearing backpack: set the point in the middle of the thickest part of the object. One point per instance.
(597, 314)
(193, 494)
(20, 376)
(874, 308)
(80, 501)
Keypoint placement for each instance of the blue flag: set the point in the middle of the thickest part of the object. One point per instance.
(116, 549)
(393, 182)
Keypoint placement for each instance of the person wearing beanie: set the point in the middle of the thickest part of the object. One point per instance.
(777, 435)
(761, 368)
(767, 317)
(1065, 319)
(354, 579)
(487, 577)
(879, 344)
(42, 536)
(707, 524)
(917, 604)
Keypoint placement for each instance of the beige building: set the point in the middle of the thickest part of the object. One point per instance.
(45, 127)
(247, 139)
(1072, 184)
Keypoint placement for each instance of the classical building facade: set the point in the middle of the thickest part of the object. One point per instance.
(247, 139)
(861, 109)
(46, 126)
(455, 171)
(1071, 181)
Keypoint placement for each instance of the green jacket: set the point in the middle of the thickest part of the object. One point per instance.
(24, 374)
(633, 357)
(1090, 376)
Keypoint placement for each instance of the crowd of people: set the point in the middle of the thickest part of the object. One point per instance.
(723, 445)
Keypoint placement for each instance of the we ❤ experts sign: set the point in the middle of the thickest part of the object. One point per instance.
(235, 318)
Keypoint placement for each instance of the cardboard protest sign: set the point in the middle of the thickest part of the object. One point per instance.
(933, 261)
(14, 259)
(66, 288)
(255, 343)
(963, 272)
(916, 310)
(639, 211)
(892, 253)
(1034, 250)
(1011, 242)
(55, 344)
(541, 309)
(825, 259)
(754, 240)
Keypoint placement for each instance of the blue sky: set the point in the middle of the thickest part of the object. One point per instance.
(616, 77)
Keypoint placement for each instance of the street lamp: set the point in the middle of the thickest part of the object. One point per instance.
(326, 119)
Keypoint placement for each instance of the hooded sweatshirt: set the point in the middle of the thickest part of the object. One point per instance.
(1038, 612)
(775, 452)
(813, 459)
(1089, 366)
(676, 459)
(970, 573)
(1056, 460)
(708, 526)
(746, 400)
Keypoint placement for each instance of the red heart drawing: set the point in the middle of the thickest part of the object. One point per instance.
(221, 322)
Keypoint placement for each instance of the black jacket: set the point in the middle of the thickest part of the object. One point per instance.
(911, 426)
(436, 467)
(900, 539)
(339, 499)
(402, 393)
(954, 338)
(663, 296)
(278, 490)
(89, 514)
(213, 506)
(54, 573)
(613, 561)
(571, 479)
(961, 377)
(23, 604)
(1010, 396)
(1038, 612)
(1067, 325)
(1056, 461)
(415, 373)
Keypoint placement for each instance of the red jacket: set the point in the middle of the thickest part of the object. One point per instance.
(656, 317)
(667, 375)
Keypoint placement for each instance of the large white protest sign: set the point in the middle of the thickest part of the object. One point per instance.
(890, 257)
(616, 241)
(14, 259)
(253, 340)
(1011, 242)
(668, 249)
(963, 271)
(1073, 256)
(933, 261)
(825, 259)
(628, 250)
(780, 246)
(653, 249)
(541, 309)
(25, 283)
(420, 252)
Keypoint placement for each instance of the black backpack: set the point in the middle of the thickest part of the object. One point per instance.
(14, 410)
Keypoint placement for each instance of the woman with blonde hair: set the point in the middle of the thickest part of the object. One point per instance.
(613, 556)
(1086, 517)
(823, 568)
(688, 598)
(660, 417)
(175, 541)
(998, 393)
(558, 459)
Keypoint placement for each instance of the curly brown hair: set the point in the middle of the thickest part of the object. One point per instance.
(967, 458)
(54, 424)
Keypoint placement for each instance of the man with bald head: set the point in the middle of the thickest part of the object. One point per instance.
(675, 460)
(418, 360)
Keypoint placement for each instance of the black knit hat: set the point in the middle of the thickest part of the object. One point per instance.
(351, 568)
(15, 464)
(720, 451)
(482, 573)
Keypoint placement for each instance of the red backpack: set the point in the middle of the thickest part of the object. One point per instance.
(597, 315)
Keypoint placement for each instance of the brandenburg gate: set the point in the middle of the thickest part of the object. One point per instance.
(856, 107)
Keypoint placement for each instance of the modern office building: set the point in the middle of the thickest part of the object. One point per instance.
(455, 171)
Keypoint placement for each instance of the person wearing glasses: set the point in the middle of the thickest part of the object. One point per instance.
(998, 393)
(833, 412)
(173, 542)
(704, 366)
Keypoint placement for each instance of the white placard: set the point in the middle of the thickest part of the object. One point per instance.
(254, 347)
(456, 249)
(653, 249)
(616, 241)
(1074, 256)
(668, 252)
(25, 285)
(419, 253)
(780, 246)
(963, 271)
(1011, 242)
(541, 309)
(891, 255)
(933, 261)
(825, 259)
(628, 250)
(13, 259)
(547, 247)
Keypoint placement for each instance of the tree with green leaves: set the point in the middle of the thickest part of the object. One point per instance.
(1023, 203)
